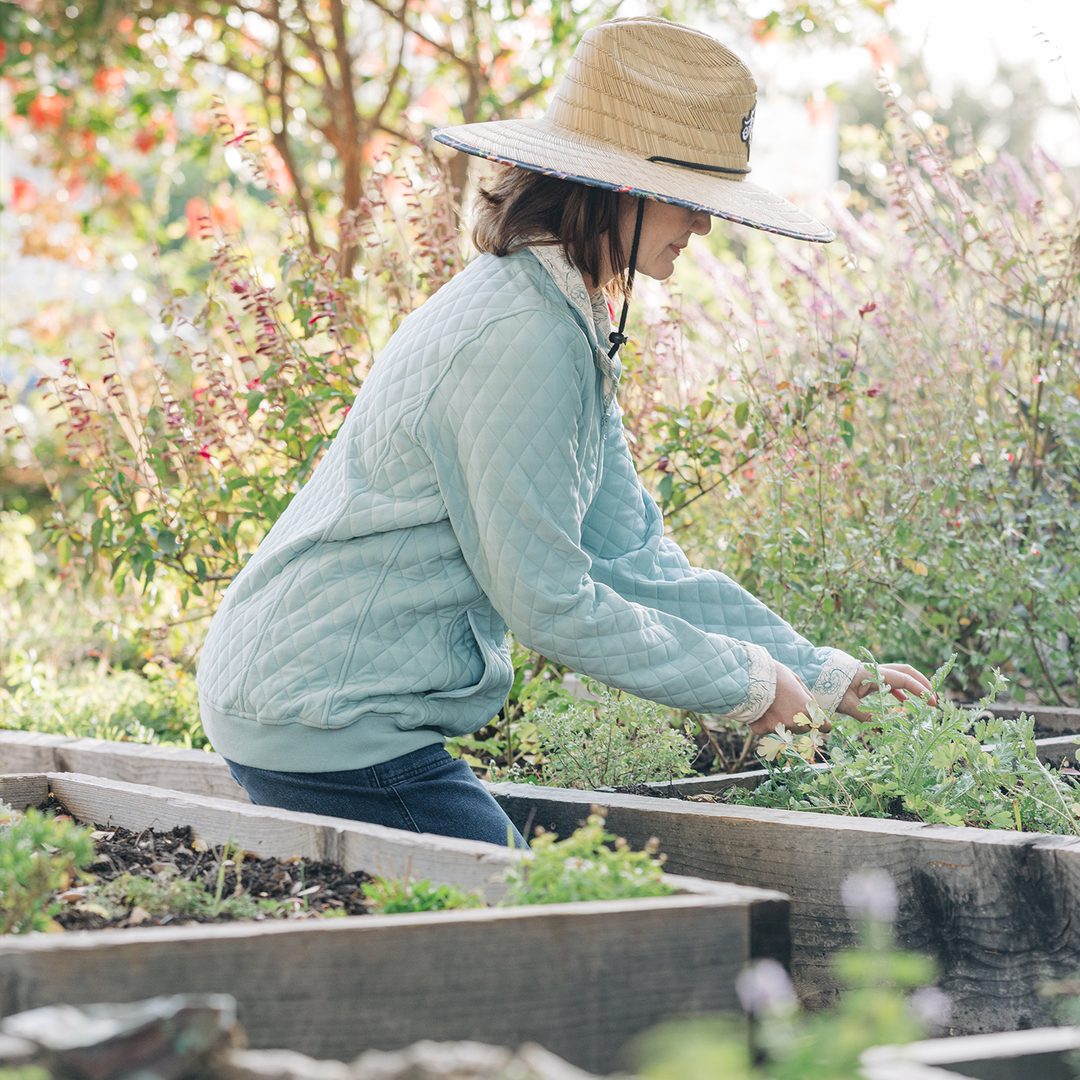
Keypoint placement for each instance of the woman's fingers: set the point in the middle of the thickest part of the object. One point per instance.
(901, 679)
(906, 679)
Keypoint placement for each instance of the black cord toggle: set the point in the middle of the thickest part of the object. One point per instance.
(617, 337)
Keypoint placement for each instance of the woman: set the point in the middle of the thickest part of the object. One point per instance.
(482, 480)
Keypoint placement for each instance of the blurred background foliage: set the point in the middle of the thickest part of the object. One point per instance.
(222, 210)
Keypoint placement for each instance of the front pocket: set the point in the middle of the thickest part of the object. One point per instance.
(498, 668)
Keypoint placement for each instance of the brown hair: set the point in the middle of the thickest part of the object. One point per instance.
(516, 206)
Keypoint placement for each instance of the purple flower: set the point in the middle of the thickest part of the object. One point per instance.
(870, 894)
(931, 1006)
(764, 988)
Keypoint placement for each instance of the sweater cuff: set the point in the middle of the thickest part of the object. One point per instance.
(762, 688)
(833, 682)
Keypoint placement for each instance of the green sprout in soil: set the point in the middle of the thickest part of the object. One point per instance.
(393, 896)
(590, 864)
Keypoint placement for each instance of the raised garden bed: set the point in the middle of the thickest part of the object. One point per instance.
(995, 908)
(580, 979)
(202, 773)
(1042, 1054)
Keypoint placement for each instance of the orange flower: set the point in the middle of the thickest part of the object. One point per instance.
(126, 25)
(379, 144)
(223, 215)
(146, 139)
(109, 80)
(883, 52)
(24, 196)
(47, 112)
(237, 117)
(200, 225)
(763, 30)
(120, 184)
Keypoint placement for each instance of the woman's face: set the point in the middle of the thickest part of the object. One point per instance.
(665, 230)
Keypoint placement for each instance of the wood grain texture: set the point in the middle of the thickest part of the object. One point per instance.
(580, 979)
(1000, 911)
(195, 771)
(22, 790)
(1055, 718)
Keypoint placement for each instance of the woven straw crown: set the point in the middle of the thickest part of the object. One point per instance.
(659, 90)
(650, 108)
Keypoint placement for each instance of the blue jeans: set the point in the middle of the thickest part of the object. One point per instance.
(426, 791)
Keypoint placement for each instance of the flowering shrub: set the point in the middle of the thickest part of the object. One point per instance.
(881, 438)
(188, 463)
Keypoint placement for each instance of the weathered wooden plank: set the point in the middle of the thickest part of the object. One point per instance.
(580, 979)
(21, 791)
(1014, 1055)
(196, 771)
(999, 910)
(1056, 718)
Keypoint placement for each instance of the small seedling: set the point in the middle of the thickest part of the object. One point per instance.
(590, 864)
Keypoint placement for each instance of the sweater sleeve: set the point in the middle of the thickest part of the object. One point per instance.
(512, 431)
(624, 533)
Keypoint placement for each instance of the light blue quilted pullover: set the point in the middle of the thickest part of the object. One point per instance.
(481, 481)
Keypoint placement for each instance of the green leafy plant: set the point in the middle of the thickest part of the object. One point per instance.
(611, 739)
(38, 854)
(153, 706)
(393, 896)
(939, 765)
(590, 864)
(782, 1043)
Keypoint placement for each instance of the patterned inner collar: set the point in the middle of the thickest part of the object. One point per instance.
(594, 309)
(572, 285)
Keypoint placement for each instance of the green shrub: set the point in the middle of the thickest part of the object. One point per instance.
(606, 741)
(152, 707)
(38, 854)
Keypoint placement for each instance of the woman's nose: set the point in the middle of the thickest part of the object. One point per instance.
(702, 223)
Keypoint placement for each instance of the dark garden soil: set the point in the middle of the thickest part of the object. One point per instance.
(303, 889)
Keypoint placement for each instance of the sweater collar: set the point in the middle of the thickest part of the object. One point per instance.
(593, 308)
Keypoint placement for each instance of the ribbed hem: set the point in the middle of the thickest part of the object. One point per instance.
(297, 748)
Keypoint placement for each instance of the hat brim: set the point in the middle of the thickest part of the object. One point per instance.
(545, 148)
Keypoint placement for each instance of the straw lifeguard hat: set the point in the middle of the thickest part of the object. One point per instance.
(654, 109)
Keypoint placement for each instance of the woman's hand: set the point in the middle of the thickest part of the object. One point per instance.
(902, 679)
(792, 698)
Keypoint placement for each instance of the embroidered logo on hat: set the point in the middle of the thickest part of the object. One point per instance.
(748, 130)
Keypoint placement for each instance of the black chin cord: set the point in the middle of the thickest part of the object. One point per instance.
(617, 337)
